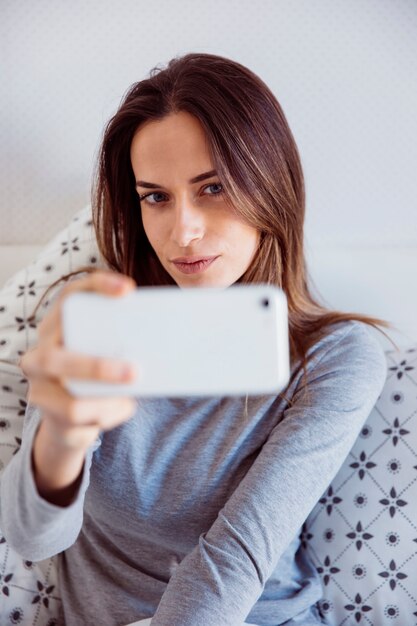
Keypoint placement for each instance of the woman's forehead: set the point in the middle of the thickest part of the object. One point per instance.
(178, 141)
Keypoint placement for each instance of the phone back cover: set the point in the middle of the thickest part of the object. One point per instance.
(204, 341)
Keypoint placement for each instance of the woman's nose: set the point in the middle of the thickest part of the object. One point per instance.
(188, 225)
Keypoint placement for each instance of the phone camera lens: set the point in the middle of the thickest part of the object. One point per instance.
(265, 302)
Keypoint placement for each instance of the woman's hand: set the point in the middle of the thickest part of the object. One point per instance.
(69, 424)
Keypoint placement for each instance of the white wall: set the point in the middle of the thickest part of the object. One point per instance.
(344, 72)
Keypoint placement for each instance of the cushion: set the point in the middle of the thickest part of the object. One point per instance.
(29, 592)
(362, 534)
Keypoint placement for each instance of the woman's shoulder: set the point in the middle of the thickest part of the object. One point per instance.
(352, 346)
(345, 368)
(350, 336)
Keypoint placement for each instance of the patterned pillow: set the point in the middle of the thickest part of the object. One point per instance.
(362, 534)
(28, 590)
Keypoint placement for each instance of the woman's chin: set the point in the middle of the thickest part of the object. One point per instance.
(202, 281)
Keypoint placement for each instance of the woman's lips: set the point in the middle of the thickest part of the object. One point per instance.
(193, 267)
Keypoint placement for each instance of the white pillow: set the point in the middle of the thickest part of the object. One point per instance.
(28, 590)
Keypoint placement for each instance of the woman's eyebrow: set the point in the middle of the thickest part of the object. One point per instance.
(196, 179)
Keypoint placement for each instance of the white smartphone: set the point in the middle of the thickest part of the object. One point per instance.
(183, 342)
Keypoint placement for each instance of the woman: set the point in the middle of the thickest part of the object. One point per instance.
(188, 511)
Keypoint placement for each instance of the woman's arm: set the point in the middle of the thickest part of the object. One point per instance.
(57, 469)
(219, 582)
(35, 528)
(43, 487)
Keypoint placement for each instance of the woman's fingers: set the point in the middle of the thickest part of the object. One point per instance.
(70, 411)
(100, 282)
(72, 421)
(57, 363)
(105, 283)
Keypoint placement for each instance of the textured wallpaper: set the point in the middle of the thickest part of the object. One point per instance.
(344, 72)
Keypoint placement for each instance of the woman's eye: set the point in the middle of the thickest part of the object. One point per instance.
(218, 188)
(156, 195)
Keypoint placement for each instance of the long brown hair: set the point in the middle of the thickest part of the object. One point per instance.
(257, 160)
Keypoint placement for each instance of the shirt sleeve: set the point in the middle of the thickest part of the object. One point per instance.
(220, 580)
(32, 526)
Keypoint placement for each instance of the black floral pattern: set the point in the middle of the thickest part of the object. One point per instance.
(43, 594)
(394, 466)
(305, 537)
(4, 580)
(28, 290)
(392, 538)
(16, 615)
(391, 611)
(359, 535)
(359, 607)
(401, 369)
(330, 500)
(23, 324)
(360, 500)
(393, 502)
(362, 465)
(393, 575)
(396, 431)
(359, 571)
(70, 245)
(327, 570)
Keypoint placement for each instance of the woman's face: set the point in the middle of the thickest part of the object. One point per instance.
(184, 210)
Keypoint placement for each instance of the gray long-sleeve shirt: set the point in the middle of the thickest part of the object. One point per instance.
(191, 511)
